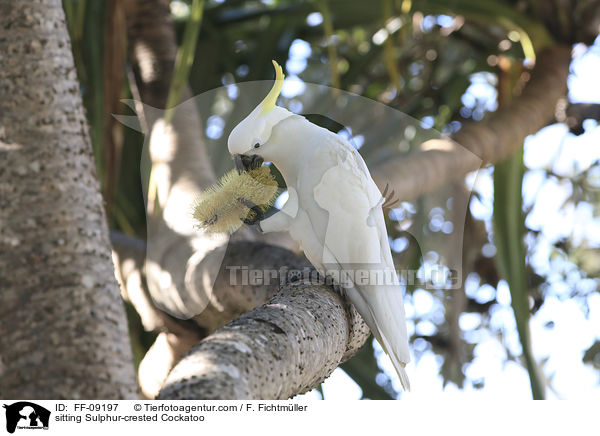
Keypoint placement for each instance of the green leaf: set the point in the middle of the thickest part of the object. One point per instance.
(509, 229)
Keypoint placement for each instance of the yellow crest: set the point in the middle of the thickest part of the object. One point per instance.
(269, 102)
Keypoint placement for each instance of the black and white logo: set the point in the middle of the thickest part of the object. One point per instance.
(26, 415)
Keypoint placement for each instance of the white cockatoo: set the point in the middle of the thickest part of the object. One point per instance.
(334, 211)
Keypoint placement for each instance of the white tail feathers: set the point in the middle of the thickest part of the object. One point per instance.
(383, 311)
(389, 328)
(399, 366)
(400, 369)
(403, 378)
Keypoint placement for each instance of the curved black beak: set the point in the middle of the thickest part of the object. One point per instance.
(243, 162)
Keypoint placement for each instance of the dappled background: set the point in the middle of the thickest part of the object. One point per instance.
(442, 66)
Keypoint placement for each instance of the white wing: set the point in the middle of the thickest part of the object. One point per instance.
(356, 239)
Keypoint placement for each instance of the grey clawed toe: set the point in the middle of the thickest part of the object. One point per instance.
(253, 207)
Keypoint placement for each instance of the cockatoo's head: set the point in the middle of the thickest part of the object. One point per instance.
(249, 142)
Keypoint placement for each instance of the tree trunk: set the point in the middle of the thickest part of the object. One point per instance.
(62, 323)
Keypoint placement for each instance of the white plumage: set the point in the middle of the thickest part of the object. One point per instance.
(334, 211)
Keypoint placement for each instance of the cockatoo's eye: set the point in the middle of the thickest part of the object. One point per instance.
(257, 145)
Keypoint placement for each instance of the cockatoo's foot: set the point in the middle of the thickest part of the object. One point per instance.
(295, 276)
(339, 290)
(244, 162)
(389, 202)
(328, 281)
(258, 212)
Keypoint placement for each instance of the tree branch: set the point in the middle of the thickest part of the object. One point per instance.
(277, 351)
(441, 161)
(229, 298)
(576, 113)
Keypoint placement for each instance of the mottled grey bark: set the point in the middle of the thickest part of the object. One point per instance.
(441, 161)
(230, 295)
(278, 350)
(63, 332)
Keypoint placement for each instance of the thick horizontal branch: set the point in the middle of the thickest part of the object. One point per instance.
(209, 279)
(276, 351)
(222, 279)
(442, 161)
(577, 113)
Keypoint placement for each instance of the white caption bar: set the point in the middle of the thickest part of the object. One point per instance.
(23, 417)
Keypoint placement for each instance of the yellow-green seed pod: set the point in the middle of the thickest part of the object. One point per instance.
(223, 206)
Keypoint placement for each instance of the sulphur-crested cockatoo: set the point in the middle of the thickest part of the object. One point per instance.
(334, 211)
